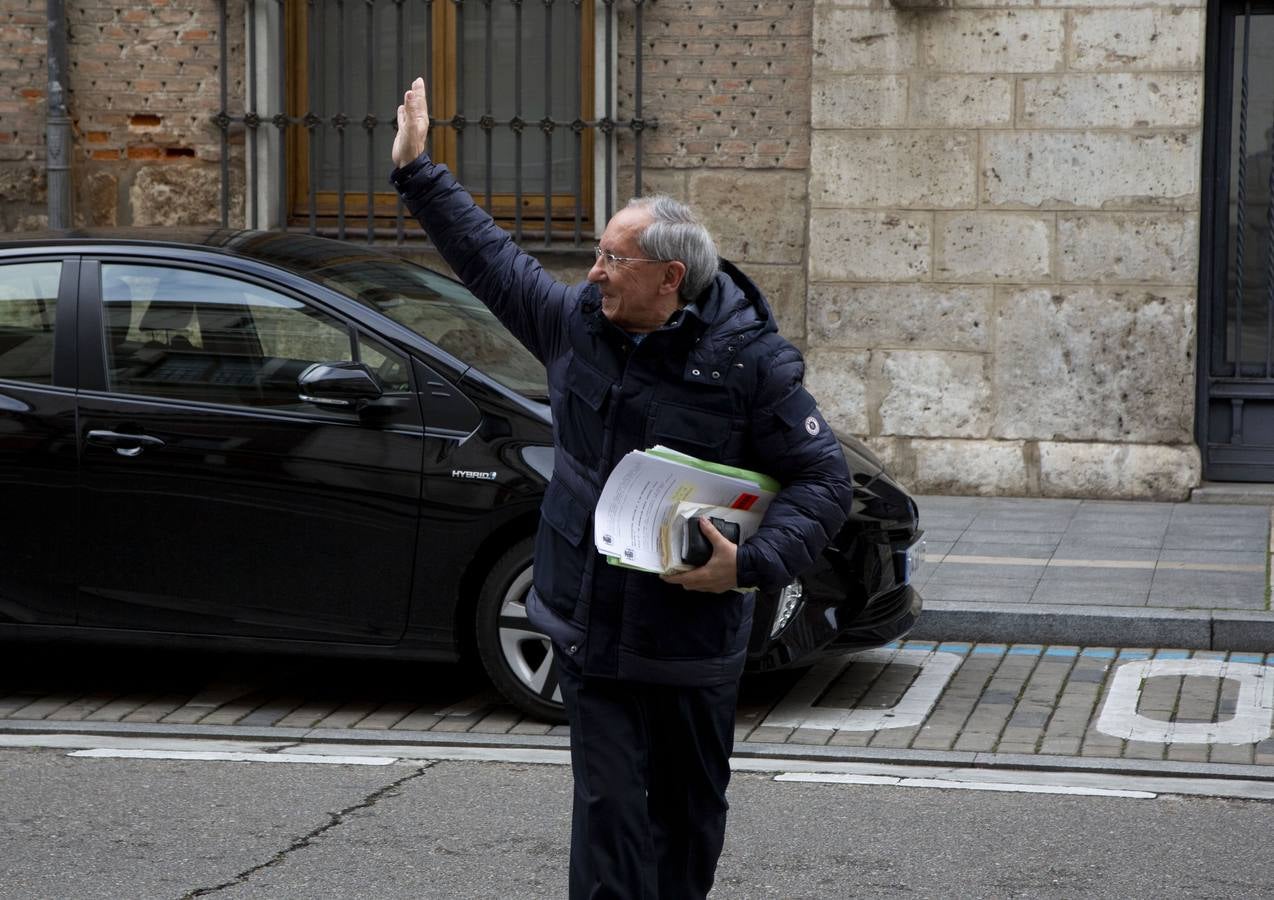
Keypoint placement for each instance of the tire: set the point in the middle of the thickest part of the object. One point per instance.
(518, 660)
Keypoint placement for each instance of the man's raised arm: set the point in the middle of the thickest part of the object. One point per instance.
(529, 302)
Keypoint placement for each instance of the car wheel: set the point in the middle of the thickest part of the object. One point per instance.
(517, 658)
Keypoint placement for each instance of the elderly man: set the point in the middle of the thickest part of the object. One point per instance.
(663, 344)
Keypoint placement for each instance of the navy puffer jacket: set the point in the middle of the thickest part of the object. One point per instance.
(716, 381)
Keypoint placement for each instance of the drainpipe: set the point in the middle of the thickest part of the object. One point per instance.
(58, 124)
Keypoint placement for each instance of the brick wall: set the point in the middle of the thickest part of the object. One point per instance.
(23, 79)
(143, 89)
(729, 82)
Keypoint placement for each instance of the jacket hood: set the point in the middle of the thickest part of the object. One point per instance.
(735, 313)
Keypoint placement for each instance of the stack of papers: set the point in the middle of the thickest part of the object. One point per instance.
(650, 494)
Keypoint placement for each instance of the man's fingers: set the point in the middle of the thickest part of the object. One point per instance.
(710, 530)
(415, 100)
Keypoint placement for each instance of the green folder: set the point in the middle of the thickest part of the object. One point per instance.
(762, 481)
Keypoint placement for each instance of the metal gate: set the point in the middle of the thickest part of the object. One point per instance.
(1236, 288)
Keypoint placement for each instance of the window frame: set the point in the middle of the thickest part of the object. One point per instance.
(63, 365)
(444, 79)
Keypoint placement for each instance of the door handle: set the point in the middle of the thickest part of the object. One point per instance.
(124, 444)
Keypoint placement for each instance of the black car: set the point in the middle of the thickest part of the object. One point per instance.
(288, 442)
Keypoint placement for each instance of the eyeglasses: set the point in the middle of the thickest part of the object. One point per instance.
(611, 261)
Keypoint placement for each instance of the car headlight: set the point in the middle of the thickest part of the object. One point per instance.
(539, 458)
(789, 600)
(909, 561)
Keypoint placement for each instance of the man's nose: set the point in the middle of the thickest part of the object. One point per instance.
(598, 272)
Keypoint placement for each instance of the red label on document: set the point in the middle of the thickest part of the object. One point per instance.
(744, 501)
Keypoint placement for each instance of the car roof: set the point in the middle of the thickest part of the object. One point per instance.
(291, 250)
(190, 236)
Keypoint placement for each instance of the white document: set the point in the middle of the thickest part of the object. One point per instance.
(635, 515)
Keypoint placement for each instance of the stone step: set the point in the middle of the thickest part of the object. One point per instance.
(1250, 493)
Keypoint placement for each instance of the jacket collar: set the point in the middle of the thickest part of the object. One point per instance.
(734, 313)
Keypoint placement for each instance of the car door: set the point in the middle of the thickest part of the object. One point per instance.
(37, 440)
(214, 499)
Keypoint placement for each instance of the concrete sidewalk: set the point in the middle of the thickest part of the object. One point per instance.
(1096, 573)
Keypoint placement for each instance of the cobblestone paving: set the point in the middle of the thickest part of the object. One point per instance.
(1028, 699)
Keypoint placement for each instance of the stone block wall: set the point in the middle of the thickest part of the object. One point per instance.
(1002, 262)
(143, 88)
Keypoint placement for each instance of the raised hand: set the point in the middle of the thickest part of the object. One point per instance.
(413, 124)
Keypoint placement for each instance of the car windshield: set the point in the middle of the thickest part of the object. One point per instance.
(434, 306)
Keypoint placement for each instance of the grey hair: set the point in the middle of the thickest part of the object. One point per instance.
(675, 234)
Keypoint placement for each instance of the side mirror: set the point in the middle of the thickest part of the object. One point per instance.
(347, 385)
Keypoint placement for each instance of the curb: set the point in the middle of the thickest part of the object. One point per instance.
(287, 734)
(751, 750)
(1086, 626)
(983, 760)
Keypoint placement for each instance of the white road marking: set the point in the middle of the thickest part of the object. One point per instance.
(222, 756)
(1056, 563)
(868, 773)
(797, 709)
(1253, 710)
(1002, 786)
(1175, 566)
(476, 754)
(838, 778)
(1047, 561)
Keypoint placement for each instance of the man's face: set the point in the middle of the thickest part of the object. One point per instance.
(636, 296)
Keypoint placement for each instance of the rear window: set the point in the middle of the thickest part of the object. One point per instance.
(28, 302)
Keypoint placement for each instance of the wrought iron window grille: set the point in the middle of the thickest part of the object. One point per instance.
(279, 136)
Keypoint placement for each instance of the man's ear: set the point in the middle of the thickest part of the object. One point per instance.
(674, 274)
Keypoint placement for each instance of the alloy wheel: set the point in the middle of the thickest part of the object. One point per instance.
(527, 652)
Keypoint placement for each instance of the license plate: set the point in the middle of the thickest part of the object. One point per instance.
(910, 561)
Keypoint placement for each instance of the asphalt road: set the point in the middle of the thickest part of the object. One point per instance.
(109, 828)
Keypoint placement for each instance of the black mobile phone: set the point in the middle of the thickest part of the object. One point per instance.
(696, 549)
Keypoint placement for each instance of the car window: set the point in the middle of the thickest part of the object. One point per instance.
(28, 298)
(436, 307)
(389, 366)
(439, 309)
(193, 335)
(443, 311)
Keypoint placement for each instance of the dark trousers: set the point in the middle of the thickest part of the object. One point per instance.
(651, 765)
